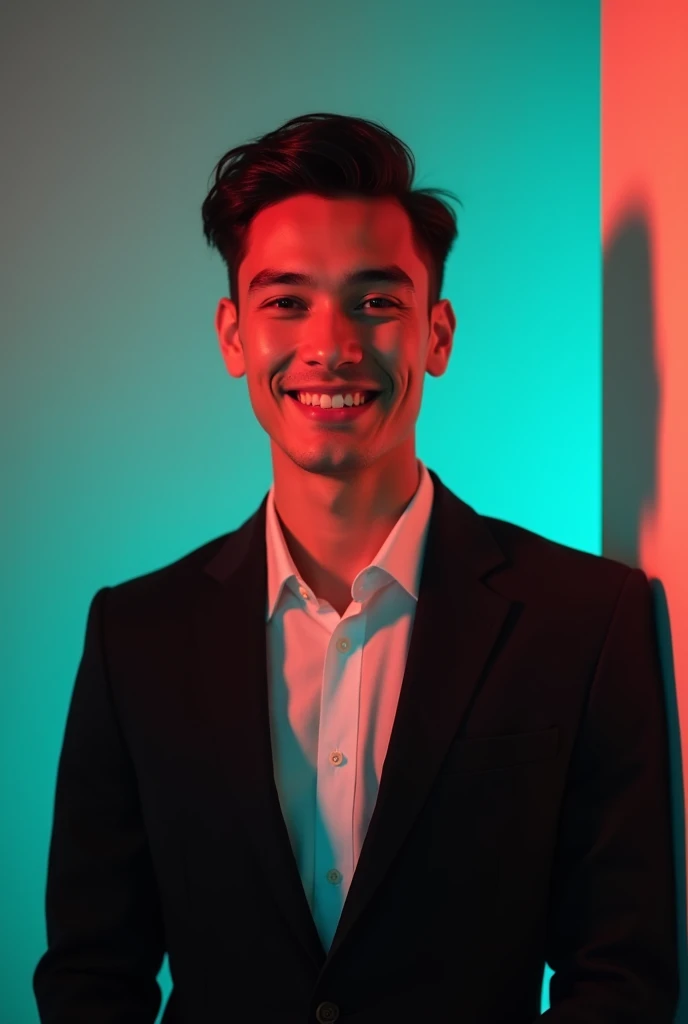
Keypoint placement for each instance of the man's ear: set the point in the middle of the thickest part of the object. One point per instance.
(227, 329)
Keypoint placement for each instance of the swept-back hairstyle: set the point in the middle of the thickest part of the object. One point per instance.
(330, 155)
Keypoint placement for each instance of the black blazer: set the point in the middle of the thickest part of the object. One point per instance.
(523, 814)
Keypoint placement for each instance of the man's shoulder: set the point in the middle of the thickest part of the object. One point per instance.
(539, 567)
(170, 585)
(535, 566)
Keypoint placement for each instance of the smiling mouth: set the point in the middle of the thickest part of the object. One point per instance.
(369, 396)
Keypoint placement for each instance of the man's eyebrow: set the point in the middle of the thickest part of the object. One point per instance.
(391, 274)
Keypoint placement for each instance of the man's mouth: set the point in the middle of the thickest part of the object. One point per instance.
(367, 398)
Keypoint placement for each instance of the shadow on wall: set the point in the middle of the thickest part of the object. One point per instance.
(631, 401)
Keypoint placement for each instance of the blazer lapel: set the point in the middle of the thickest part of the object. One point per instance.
(457, 623)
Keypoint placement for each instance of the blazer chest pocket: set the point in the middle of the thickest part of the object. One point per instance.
(485, 753)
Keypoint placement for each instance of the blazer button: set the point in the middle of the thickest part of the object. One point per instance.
(326, 1013)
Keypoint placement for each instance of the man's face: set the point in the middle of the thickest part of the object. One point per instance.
(299, 336)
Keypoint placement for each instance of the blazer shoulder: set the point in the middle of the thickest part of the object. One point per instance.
(555, 570)
(168, 585)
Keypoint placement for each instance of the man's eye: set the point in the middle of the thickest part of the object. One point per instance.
(374, 299)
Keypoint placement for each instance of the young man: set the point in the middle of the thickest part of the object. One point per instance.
(372, 753)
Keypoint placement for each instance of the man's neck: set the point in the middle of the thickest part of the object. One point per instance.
(334, 530)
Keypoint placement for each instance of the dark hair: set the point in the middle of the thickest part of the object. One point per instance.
(330, 155)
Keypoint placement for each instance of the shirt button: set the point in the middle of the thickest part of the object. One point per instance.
(343, 644)
(326, 1013)
(334, 877)
(303, 593)
(336, 757)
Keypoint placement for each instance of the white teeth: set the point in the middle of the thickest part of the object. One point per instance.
(330, 401)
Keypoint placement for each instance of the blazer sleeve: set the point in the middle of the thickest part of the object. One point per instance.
(612, 925)
(104, 922)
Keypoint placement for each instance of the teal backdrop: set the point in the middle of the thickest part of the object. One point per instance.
(125, 443)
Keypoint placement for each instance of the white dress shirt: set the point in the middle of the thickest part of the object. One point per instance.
(333, 688)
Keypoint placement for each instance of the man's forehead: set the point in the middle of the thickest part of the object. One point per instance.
(293, 235)
(317, 217)
(308, 240)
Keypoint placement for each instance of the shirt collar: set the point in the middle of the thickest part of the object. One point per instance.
(399, 559)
